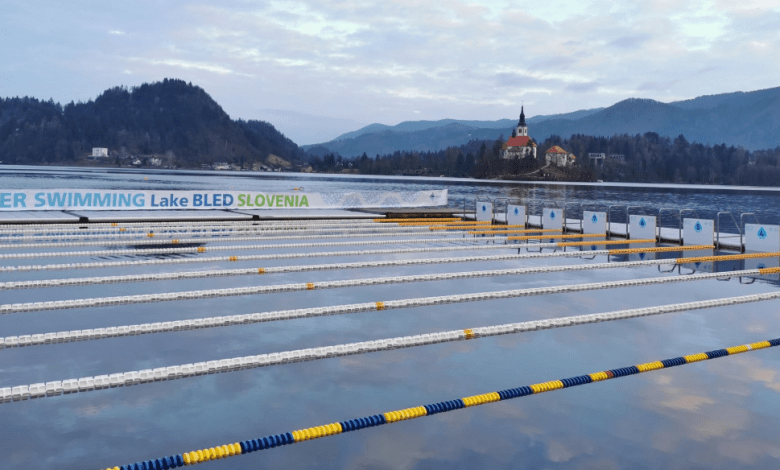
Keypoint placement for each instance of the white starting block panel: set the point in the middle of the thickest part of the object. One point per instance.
(594, 222)
(515, 215)
(552, 219)
(484, 211)
(762, 238)
(642, 227)
(698, 232)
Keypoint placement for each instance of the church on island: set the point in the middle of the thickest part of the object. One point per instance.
(520, 146)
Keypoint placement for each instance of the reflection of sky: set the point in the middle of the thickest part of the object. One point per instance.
(717, 414)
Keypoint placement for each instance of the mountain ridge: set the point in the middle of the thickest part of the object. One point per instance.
(749, 119)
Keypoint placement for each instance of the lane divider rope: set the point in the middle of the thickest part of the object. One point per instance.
(200, 233)
(317, 254)
(101, 382)
(156, 240)
(226, 320)
(316, 432)
(202, 249)
(204, 226)
(35, 284)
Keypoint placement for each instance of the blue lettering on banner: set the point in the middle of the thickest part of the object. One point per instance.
(594, 219)
(697, 227)
(761, 233)
(642, 222)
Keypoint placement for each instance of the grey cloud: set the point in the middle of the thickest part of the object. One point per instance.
(630, 42)
(583, 87)
(517, 80)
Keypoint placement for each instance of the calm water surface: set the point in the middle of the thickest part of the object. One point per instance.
(720, 414)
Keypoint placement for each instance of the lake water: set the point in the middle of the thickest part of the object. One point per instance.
(716, 415)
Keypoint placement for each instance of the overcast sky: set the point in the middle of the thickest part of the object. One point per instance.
(318, 69)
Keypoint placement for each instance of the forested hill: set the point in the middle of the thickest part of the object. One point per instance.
(170, 118)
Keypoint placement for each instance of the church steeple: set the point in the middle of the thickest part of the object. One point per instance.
(521, 129)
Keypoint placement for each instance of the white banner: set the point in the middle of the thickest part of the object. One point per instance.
(106, 200)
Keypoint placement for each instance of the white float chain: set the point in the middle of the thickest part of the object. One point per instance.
(302, 286)
(158, 251)
(181, 241)
(314, 254)
(85, 384)
(184, 223)
(373, 228)
(83, 281)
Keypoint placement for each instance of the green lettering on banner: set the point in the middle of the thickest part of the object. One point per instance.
(279, 200)
(241, 200)
(289, 201)
(304, 201)
(261, 198)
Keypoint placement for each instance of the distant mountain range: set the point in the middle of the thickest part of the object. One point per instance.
(747, 119)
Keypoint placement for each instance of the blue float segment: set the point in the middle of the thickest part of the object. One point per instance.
(716, 353)
(179, 460)
(775, 342)
(574, 381)
(677, 361)
(624, 371)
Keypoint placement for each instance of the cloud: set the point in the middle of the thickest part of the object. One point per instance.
(373, 61)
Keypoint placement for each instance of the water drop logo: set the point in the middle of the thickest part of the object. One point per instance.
(594, 219)
(761, 266)
(762, 233)
(593, 247)
(517, 211)
(552, 215)
(642, 222)
(484, 208)
(697, 227)
(642, 255)
(698, 263)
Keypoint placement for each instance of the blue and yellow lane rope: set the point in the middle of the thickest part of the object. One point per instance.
(301, 435)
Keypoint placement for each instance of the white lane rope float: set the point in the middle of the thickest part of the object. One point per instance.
(99, 382)
(146, 277)
(158, 251)
(162, 234)
(374, 306)
(318, 254)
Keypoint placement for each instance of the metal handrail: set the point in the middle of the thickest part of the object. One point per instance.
(609, 217)
(742, 219)
(717, 230)
(679, 221)
(566, 209)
